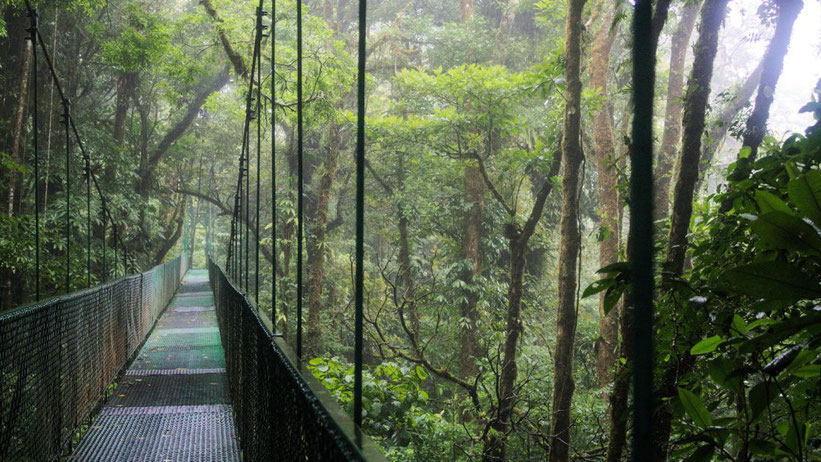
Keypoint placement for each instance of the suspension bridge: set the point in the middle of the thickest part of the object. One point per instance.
(174, 363)
(180, 364)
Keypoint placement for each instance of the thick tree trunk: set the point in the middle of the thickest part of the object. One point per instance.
(672, 114)
(466, 7)
(126, 86)
(773, 65)
(695, 106)
(149, 165)
(313, 343)
(570, 241)
(474, 191)
(606, 171)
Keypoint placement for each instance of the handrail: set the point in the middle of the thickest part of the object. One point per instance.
(59, 356)
(280, 409)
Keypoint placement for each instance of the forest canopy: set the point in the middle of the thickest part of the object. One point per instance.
(498, 297)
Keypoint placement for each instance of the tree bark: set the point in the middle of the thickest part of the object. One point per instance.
(570, 241)
(606, 173)
(466, 8)
(672, 114)
(695, 106)
(236, 59)
(150, 164)
(719, 127)
(773, 60)
(494, 449)
(14, 182)
(313, 340)
(474, 192)
(621, 386)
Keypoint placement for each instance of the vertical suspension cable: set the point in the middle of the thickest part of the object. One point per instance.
(360, 215)
(66, 116)
(260, 27)
(273, 169)
(247, 207)
(88, 223)
(641, 230)
(33, 38)
(114, 231)
(105, 231)
(299, 216)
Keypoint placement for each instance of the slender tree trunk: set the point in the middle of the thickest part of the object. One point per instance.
(570, 244)
(474, 191)
(606, 171)
(695, 107)
(621, 386)
(773, 65)
(15, 183)
(719, 127)
(316, 275)
(672, 114)
(404, 253)
(494, 449)
(126, 86)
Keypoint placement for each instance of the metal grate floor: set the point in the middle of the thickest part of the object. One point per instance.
(173, 403)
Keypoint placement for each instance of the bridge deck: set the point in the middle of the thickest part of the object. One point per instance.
(173, 403)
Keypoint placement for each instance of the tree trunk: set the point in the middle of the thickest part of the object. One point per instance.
(126, 86)
(773, 65)
(14, 181)
(570, 241)
(672, 114)
(313, 340)
(494, 449)
(605, 155)
(466, 7)
(719, 127)
(474, 190)
(695, 106)
(406, 276)
(621, 386)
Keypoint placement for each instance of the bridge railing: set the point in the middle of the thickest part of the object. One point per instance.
(59, 356)
(281, 410)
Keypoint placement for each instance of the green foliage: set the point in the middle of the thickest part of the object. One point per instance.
(394, 404)
(759, 396)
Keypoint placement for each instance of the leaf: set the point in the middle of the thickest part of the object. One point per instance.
(598, 286)
(421, 373)
(806, 372)
(722, 372)
(618, 267)
(760, 396)
(739, 325)
(694, 408)
(612, 297)
(707, 345)
(704, 453)
(805, 192)
(772, 280)
(779, 230)
(769, 202)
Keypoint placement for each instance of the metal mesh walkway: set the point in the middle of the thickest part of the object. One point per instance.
(173, 403)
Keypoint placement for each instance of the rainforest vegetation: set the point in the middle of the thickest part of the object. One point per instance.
(497, 293)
